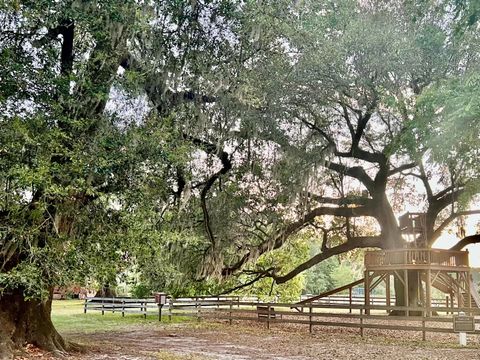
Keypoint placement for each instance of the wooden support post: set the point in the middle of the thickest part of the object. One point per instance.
(113, 305)
(406, 292)
(85, 306)
(447, 304)
(123, 308)
(310, 318)
(387, 291)
(428, 295)
(452, 300)
(103, 312)
(468, 292)
(230, 313)
(420, 289)
(145, 309)
(459, 292)
(367, 291)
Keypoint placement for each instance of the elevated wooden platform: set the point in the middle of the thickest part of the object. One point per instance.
(417, 259)
(418, 270)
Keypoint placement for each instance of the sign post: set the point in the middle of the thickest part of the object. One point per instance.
(160, 299)
(463, 324)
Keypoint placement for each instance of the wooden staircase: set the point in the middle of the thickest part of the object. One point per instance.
(444, 283)
(474, 295)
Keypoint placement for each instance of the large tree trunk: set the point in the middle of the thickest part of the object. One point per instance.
(414, 299)
(106, 291)
(27, 322)
(394, 240)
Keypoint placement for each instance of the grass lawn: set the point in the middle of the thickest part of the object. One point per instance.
(68, 317)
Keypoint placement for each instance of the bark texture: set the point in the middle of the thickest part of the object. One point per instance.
(25, 322)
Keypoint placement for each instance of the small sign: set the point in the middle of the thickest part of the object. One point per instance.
(463, 323)
(161, 298)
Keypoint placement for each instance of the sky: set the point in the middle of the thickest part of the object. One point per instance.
(447, 240)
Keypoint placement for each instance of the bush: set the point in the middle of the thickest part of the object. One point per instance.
(141, 291)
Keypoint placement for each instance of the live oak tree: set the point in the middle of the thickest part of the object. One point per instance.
(329, 125)
(219, 130)
(99, 110)
(57, 150)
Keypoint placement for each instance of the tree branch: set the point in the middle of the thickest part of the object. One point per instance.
(260, 276)
(356, 172)
(448, 220)
(351, 200)
(472, 239)
(401, 168)
(294, 227)
(353, 243)
(226, 166)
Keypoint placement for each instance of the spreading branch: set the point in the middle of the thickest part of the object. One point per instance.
(472, 239)
(226, 166)
(356, 172)
(353, 243)
(296, 226)
(438, 231)
(401, 168)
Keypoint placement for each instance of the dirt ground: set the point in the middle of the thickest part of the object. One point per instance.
(215, 340)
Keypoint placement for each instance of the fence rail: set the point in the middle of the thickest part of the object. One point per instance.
(120, 305)
(319, 314)
(374, 300)
(436, 319)
(145, 306)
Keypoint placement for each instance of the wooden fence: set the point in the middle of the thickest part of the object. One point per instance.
(437, 319)
(432, 320)
(374, 300)
(143, 306)
(120, 305)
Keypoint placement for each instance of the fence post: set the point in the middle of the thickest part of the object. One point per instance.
(310, 319)
(113, 305)
(361, 322)
(170, 306)
(85, 306)
(145, 308)
(350, 299)
(268, 317)
(123, 307)
(230, 313)
(424, 335)
(199, 313)
(103, 312)
(196, 307)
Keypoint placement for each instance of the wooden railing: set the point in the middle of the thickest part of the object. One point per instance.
(435, 257)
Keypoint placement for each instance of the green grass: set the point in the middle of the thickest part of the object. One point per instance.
(68, 317)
